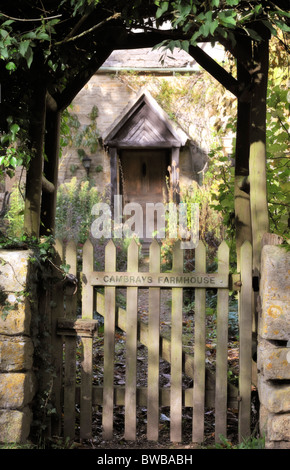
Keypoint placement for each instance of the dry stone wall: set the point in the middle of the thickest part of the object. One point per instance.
(17, 380)
(274, 347)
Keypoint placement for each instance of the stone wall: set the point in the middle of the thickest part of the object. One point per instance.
(17, 380)
(110, 96)
(274, 347)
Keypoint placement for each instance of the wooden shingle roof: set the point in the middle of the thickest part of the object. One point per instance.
(144, 124)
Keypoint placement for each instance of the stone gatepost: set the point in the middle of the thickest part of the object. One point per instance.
(274, 347)
(17, 380)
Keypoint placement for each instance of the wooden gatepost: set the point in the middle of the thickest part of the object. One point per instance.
(210, 388)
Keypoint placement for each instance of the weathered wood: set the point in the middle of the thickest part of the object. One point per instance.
(245, 354)
(51, 104)
(164, 397)
(114, 169)
(82, 328)
(70, 349)
(87, 344)
(131, 347)
(242, 186)
(257, 158)
(153, 348)
(176, 352)
(166, 280)
(259, 207)
(203, 394)
(109, 345)
(47, 185)
(199, 352)
(175, 173)
(57, 341)
(222, 348)
(165, 345)
(33, 189)
(50, 170)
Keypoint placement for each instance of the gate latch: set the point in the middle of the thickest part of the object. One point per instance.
(235, 282)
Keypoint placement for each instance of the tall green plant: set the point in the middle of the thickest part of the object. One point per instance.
(15, 215)
(73, 213)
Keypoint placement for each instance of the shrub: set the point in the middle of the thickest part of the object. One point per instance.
(73, 212)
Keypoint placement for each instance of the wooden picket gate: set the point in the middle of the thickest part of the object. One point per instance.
(210, 389)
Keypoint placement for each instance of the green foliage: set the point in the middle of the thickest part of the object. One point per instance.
(250, 443)
(202, 20)
(73, 213)
(15, 214)
(13, 148)
(17, 49)
(278, 140)
(77, 136)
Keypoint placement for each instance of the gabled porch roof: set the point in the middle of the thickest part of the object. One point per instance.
(144, 123)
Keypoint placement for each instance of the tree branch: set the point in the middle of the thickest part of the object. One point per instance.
(90, 30)
(30, 19)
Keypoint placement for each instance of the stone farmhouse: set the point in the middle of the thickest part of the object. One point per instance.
(138, 150)
(139, 145)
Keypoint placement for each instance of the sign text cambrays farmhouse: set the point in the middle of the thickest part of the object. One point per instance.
(127, 279)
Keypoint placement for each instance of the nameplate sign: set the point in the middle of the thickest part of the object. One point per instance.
(124, 279)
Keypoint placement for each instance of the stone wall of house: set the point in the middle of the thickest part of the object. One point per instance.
(111, 97)
(17, 380)
(274, 347)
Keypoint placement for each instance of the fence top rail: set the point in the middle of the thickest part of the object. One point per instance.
(141, 279)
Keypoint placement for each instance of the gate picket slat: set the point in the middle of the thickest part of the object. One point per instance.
(70, 350)
(245, 320)
(222, 347)
(199, 351)
(109, 345)
(131, 347)
(176, 351)
(153, 348)
(87, 361)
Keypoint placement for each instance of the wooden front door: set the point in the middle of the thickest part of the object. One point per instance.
(144, 176)
(144, 173)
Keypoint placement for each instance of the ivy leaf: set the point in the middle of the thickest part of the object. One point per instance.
(213, 26)
(227, 18)
(193, 39)
(185, 45)
(162, 9)
(282, 26)
(13, 162)
(30, 35)
(14, 129)
(7, 23)
(23, 46)
(29, 56)
(205, 29)
(232, 2)
(270, 27)
(44, 36)
(254, 34)
(11, 66)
